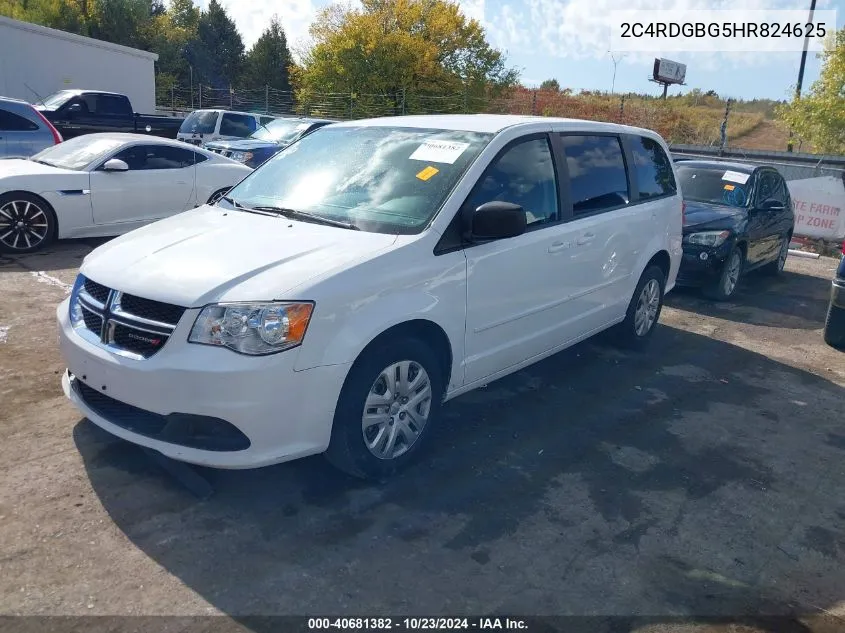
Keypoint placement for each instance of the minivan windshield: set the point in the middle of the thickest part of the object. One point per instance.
(378, 179)
(714, 186)
(280, 130)
(200, 122)
(78, 152)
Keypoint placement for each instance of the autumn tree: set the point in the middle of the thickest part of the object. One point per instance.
(550, 84)
(267, 62)
(401, 49)
(819, 117)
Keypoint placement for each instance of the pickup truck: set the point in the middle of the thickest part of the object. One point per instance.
(77, 112)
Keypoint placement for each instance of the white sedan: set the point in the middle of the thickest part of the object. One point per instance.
(101, 185)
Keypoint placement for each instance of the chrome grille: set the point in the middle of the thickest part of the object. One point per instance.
(129, 325)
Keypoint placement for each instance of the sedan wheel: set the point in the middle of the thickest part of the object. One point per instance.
(396, 409)
(25, 224)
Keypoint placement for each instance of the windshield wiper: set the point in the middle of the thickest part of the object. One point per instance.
(241, 207)
(307, 217)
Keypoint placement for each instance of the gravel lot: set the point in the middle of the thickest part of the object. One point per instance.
(702, 478)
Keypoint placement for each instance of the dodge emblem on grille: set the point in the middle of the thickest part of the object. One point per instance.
(144, 339)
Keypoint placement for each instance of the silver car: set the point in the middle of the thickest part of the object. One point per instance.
(23, 130)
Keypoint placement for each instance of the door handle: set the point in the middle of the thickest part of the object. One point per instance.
(181, 182)
(559, 246)
(586, 238)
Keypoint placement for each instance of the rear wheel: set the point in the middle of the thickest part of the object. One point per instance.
(834, 327)
(27, 223)
(728, 280)
(386, 409)
(643, 310)
(776, 267)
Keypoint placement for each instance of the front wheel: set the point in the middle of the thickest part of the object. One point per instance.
(728, 280)
(386, 409)
(27, 223)
(643, 310)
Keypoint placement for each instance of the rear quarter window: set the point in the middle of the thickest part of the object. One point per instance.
(11, 122)
(653, 168)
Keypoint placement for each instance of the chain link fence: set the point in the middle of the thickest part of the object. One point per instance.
(675, 121)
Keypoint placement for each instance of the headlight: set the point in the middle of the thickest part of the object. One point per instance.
(77, 319)
(242, 157)
(707, 238)
(253, 328)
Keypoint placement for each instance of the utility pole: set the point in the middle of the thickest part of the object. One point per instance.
(801, 67)
(615, 61)
(724, 128)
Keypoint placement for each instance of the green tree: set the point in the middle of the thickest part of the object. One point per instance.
(819, 117)
(268, 61)
(550, 84)
(74, 16)
(125, 22)
(402, 49)
(217, 52)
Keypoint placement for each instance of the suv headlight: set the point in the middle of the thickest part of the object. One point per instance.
(707, 238)
(253, 328)
(242, 157)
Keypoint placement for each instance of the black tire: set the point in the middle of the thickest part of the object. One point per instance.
(41, 224)
(717, 291)
(776, 267)
(213, 198)
(627, 334)
(347, 449)
(834, 327)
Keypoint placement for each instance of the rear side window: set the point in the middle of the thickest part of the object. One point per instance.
(597, 177)
(10, 122)
(111, 104)
(240, 125)
(653, 168)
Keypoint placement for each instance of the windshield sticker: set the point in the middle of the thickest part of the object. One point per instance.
(730, 187)
(439, 152)
(735, 176)
(427, 173)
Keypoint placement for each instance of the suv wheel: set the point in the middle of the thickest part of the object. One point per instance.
(728, 280)
(834, 327)
(386, 409)
(643, 310)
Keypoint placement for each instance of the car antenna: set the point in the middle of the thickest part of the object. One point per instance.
(40, 98)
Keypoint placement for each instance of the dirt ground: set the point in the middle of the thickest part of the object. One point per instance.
(701, 479)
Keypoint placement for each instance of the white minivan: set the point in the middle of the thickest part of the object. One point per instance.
(340, 293)
(204, 126)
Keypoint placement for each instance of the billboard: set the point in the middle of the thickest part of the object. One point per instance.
(669, 72)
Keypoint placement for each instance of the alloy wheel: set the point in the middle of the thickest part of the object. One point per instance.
(647, 306)
(396, 410)
(732, 274)
(784, 252)
(23, 225)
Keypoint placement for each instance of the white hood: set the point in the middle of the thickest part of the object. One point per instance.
(23, 167)
(211, 254)
(19, 173)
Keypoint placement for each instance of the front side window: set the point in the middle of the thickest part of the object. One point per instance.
(11, 122)
(240, 125)
(524, 174)
(146, 157)
(597, 177)
(380, 179)
(653, 168)
(79, 152)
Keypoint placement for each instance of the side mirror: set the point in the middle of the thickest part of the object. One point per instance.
(772, 205)
(115, 164)
(74, 109)
(496, 221)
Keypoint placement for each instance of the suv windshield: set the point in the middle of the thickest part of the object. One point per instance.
(711, 185)
(199, 122)
(56, 100)
(280, 131)
(380, 179)
(78, 152)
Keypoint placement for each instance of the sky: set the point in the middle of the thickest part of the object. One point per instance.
(569, 40)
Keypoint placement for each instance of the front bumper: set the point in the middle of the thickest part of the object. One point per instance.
(283, 413)
(695, 271)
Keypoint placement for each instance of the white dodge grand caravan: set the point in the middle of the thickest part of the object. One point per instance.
(340, 293)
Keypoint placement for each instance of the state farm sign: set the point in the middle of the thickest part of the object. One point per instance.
(819, 205)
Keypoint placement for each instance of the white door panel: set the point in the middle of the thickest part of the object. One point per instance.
(145, 195)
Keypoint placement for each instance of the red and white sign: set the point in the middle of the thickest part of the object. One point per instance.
(819, 205)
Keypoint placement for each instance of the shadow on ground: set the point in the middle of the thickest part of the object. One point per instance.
(59, 256)
(792, 300)
(693, 480)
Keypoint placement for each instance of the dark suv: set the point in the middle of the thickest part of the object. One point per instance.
(737, 217)
(834, 325)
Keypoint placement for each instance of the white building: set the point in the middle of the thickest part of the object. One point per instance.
(36, 61)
